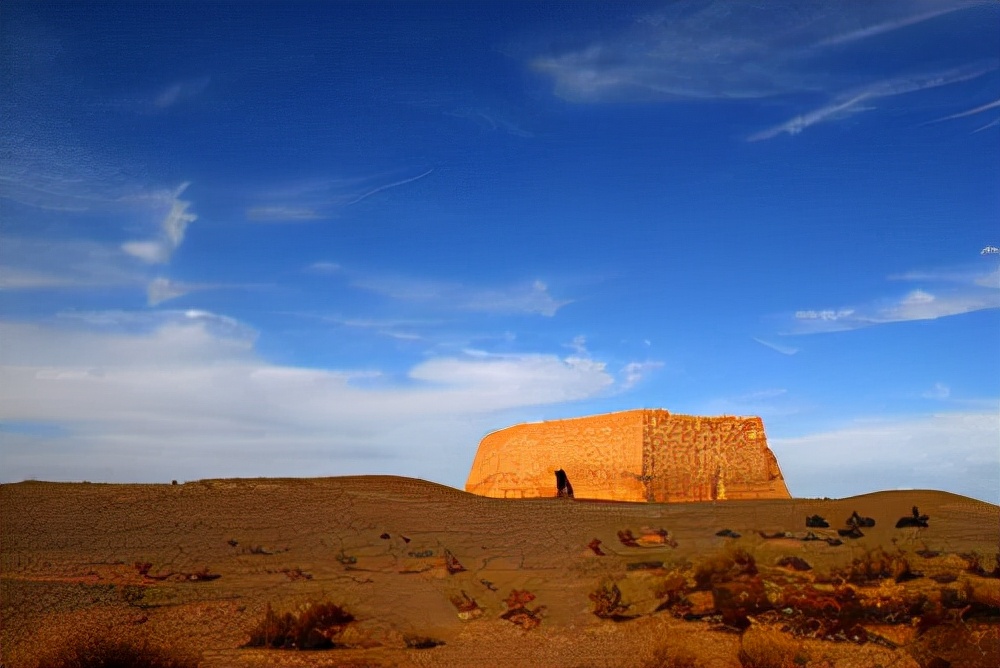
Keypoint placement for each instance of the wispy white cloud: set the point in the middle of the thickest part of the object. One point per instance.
(766, 403)
(323, 268)
(534, 298)
(889, 26)
(976, 291)
(70, 264)
(394, 184)
(849, 103)
(162, 289)
(990, 280)
(737, 50)
(977, 110)
(283, 214)
(171, 233)
(165, 387)
(179, 91)
(634, 373)
(491, 120)
(724, 50)
(778, 348)
(956, 452)
(915, 305)
(939, 391)
(992, 124)
(316, 199)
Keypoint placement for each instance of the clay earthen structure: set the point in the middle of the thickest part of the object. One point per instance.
(637, 455)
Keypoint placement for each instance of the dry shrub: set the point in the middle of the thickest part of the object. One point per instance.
(878, 564)
(724, 567)
(106, 653)
(608, 603)
(316, 627)
(666, 656)
(671, 588)
(974, 564)
(769, 648)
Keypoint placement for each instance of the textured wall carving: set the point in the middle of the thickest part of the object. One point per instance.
(638, 455)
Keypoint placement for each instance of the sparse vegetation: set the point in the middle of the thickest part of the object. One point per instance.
(666, 656)
(518, 611)
(769, 648)
(107, 653)
(878, 564)
(974, 561)
(608, 603)
(723, 567)
(422, 642)
(317, 627)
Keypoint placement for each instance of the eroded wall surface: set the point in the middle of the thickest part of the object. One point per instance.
(639, 455)
(601, 454)
(691, 458)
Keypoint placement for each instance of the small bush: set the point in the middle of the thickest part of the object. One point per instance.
(724, 567)
(317, 627)
(608, 603)
(105, 653)
(768, 648)
(878, 564)
(666, 656)
(974, 564)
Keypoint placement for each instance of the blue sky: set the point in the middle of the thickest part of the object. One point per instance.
(279, 239)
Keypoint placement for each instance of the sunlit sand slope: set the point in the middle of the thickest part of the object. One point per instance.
(434, 576)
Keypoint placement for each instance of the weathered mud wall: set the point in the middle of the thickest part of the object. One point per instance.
(638, 455)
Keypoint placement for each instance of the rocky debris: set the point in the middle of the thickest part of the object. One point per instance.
(915, 520)
(853, 532)
(421, 554)
(518, 611)
(737, 600)
(489, 585)
(655, 537)
(421, 642)
(346, 559)
(727, 533)
(644, 566)
(595, 545)
(201, 576)
(697, 604)
(860, 522)
(891, 635)
(467, 607)
(794, 563)
(927, 554)
(385, 536)
(319, 626)
(817, 522)
(296, 573)
(608, 604)
(974, 565)
(775, 535)
(451, 563)
(627, 538)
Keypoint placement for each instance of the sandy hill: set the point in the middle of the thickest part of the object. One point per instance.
(437, 577)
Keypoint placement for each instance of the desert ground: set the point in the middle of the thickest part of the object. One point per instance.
(426, 575)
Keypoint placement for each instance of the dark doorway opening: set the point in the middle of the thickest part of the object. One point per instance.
(563, 488)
